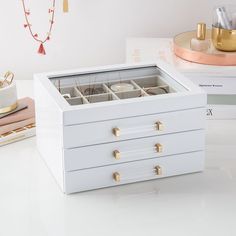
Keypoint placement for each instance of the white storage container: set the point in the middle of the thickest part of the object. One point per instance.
(93, 136)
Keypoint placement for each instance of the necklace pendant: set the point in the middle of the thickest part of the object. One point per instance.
(41, 49)
(65, 6)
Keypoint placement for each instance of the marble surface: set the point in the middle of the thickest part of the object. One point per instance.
(31, 203)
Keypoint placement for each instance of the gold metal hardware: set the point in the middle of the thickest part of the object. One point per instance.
(116, 154)
(65, 5)
(9, 76)
(159, 126)
(31, 126)
(159, 148)
(116, 132)
(158, 170)
(19, 130)
(6, 134)
(8, 109)
(116, 176)
(201, 31)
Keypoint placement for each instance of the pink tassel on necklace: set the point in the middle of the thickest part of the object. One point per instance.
(41, 49)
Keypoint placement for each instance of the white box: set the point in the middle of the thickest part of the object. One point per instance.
(108, 139)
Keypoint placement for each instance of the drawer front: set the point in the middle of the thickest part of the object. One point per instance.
(115, 175)
(135, 127)
(132, 150)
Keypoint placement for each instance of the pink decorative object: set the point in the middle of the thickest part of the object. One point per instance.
(211, 57)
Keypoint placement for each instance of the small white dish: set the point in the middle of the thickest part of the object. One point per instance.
(122, 87)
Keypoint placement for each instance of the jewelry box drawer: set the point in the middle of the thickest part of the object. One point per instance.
(125, 173)
(133, 127)
(132, 150)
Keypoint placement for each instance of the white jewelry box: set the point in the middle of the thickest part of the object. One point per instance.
(91, 137)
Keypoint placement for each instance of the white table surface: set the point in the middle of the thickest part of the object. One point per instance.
(31, 203)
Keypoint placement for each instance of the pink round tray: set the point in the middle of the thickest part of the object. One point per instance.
(212, 57)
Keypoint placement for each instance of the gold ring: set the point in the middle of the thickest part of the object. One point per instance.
(8, 109)
(8, 75)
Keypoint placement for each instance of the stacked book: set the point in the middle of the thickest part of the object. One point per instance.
(19, 123)
(218, 81)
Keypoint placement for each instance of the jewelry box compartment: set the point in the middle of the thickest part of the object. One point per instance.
(133, 150)
(75, 92)
(115, 175)
(133, 127)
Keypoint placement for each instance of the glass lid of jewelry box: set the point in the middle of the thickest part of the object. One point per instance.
(104, 86)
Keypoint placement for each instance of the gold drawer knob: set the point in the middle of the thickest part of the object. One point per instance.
(116, 176)
(116, 154)
(158, 170)
(159, 126)
(116, 132)
(159, 148)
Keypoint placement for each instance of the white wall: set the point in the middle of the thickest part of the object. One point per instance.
(92, 33)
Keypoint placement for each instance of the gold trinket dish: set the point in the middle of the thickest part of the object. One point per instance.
(223, 39)
(211, 57)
